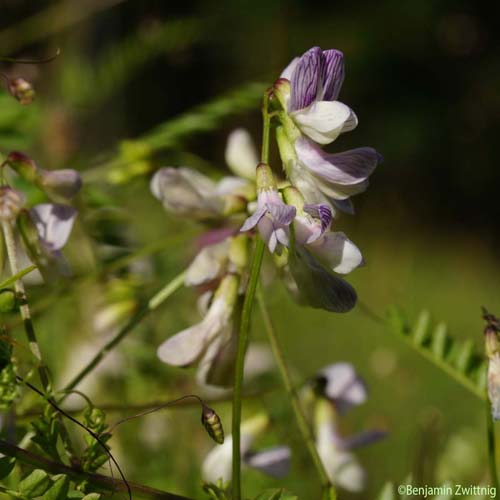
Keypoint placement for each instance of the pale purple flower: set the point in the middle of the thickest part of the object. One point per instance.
(190, 345)
(186, 192)
(273, 461)
(333, 178)
(53, 223)
(273, 218)
(315, 81)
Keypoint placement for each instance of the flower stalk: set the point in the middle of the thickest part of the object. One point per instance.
(245, 322)
(329, 492)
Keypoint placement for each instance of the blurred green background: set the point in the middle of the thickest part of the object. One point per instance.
(423, 78)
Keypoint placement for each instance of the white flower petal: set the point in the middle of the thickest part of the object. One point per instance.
(241, 154)
(208, 265)
(343, 386)
(185, 347)
(338, 251)
(324, 121)
(288, 71)
(53, 223)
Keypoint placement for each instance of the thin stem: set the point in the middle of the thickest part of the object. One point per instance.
(77, 422)
(24, 308)
(490, 435)
(302, 424)
(245, 323)
(240, 365)
(96, 480)
(140, 314)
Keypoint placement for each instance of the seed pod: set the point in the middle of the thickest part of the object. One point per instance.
(212, 424)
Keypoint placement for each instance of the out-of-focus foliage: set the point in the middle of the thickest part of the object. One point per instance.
(137, 86)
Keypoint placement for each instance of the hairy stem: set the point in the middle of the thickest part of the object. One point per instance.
(99, 481)
(490, 436)
(140, 314)
(245, 323)
(302, 424)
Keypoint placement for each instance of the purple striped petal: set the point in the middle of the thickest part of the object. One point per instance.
(282, 214)
(321, 212)
(305, 79)
(332, 75)
(347, 168)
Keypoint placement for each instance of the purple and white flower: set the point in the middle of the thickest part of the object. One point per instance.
(54, 224)
(273, 461)
(272, 216)
(312, 229)
(332, 177)
(343, 389)
(315, 82)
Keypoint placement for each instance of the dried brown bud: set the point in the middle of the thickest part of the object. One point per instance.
(11, 203)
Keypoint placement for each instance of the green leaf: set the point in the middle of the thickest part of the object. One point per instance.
(276, 494)
(6, 466)
(92, 496)
(35, 485)
(59, 489)
(457, 359)
(387, 492)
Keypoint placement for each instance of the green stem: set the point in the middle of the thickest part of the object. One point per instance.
(490, 432)
(240, 364)
(24, 308)
(29, 328)
(141, 313)
(98, 481)
(302, 424)
(245, 322)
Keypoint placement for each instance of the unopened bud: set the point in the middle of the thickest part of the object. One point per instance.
(238, 251)
(264, 178)
(23, 165)
(63, 183)
(22, 90)
(234, 204)
(11, 202)
(212, 424)
(281, 90)
(294, 197)
(492, 345)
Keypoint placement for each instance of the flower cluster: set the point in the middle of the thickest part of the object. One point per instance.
(294, 216)
(45, 227)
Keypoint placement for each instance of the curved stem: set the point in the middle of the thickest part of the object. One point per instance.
(245, 322)
(302, 424)
(490, 431)
(99, 481)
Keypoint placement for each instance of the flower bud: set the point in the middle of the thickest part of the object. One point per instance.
(23, 165)
(238, 251)
(264, 178)
(11, 202)
(492, 345)
(63, 183)
(281, 89)
(22, 90)
(294, 198)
